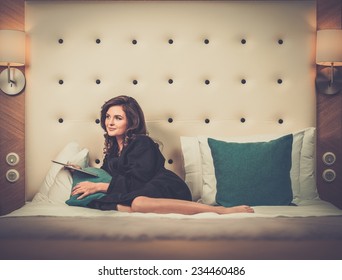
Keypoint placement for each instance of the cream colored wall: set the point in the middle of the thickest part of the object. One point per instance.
(267, 104)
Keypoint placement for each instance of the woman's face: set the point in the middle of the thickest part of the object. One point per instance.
(116, 122)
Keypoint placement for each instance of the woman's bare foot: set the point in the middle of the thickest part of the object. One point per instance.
(235, 209)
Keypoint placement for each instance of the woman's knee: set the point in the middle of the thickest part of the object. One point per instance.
(140, 204)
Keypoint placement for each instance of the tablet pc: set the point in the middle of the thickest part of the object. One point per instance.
(76, 169)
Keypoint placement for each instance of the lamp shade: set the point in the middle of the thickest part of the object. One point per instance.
(329, 53)
(12, 47)
(329, 47)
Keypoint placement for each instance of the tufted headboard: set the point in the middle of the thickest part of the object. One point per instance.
(214, 68)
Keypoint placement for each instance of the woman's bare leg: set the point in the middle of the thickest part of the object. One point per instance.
(165, 206)
(124, 208)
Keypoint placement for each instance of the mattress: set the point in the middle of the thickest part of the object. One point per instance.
(311, 224)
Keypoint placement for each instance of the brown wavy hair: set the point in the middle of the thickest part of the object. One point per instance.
(135, 122)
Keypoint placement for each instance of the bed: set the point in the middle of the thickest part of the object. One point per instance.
(210, 89)
(308, 228)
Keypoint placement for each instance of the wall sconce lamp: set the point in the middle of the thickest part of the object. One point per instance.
(12, 53)
(329, 53)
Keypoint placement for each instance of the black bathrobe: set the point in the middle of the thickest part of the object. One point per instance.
(139, 171)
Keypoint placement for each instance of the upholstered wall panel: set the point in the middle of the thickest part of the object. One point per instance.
(206, 67)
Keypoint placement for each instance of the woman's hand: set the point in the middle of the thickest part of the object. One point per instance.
(86, 188)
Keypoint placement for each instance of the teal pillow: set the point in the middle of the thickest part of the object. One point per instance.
(78, 177)
(253, 173)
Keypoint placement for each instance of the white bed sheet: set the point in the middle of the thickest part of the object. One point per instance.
(308, 208)
(311, 230)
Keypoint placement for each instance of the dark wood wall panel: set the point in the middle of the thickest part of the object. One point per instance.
(329, 114)
(12, 119)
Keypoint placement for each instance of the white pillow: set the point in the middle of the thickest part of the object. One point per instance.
(67, 153)
(200, 172)
(192, 165)
(307, 178)
(61, 188)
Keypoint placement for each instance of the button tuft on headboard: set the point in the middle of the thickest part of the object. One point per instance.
(279, 81)
(226, 74)
(280, 121)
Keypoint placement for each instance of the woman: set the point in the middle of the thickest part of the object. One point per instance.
(140, 182)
